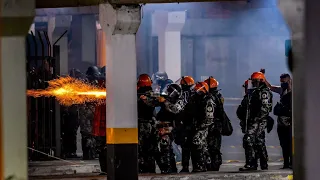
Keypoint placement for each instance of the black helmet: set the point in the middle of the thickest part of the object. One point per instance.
(75, 73)
(93, 73)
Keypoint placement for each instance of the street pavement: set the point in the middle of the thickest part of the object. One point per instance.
(227, 170)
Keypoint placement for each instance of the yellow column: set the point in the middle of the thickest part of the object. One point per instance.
(15, 20)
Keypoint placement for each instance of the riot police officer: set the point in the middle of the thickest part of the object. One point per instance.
(184, 122)
(259, 106)
(203, 119)
(70, 119)
(86, 113)
(171, 105)
(214, 133)
(146, 124)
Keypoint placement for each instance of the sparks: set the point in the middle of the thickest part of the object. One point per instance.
(69, 91)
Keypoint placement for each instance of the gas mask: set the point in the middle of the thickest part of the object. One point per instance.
(255, 83)
(284, 86)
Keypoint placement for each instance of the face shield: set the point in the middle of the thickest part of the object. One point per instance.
(159, 77)
(249, 87)
(172, 92)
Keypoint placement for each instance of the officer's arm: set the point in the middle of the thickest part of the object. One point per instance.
(149, 101)
(176, 107)
(266, 104)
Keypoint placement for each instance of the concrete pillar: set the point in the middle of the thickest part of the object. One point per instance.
(88, 38)
(167, 26)
(305, 98)
(16, 18)
(56, 28)
(120, 26)
(101, 48)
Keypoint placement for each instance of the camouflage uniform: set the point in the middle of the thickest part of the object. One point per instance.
(165, 156)
(184, 130)
(214, 135)
(260, 104)
(147, 136)
(203, 119)
(70, 119)
(86, 116)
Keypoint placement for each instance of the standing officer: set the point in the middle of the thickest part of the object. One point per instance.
(259, 107)
(203, 119)
(171, 105)
(185, 120)
(147, 138)
(214, 134)
(86, 115)
(283, 110)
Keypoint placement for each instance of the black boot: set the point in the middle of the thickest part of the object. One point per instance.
(248, 168)
(184, 170)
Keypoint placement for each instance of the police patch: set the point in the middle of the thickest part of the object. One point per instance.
(264, 95)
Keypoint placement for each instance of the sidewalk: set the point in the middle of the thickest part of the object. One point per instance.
(77, 167)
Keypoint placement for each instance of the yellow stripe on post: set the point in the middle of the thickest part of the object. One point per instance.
(122, 135)
(292, 145)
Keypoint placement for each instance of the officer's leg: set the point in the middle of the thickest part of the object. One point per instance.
(165, 154)
(186, 153)
(216, 158)
(102, 150)
(249, 140)
(141, 149)
(150, 147)
(199, 151)
(173, 161)
(262, 151)
(85, 150)
(287, 146)
(282, 134)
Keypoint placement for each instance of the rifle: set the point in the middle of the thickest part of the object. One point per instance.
(247, 113)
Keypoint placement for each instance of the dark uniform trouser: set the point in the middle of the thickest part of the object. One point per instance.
(146, 148)
(285, 138)
(165, 156)
(87, 143)
(186, 152)
(101, 146)
(214, 147)
(199, 151)
(254, 144)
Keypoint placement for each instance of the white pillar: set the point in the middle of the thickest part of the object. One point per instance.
(167, 26)
(56, 27)
(88, 38)
(16, 18)
(120, 26)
